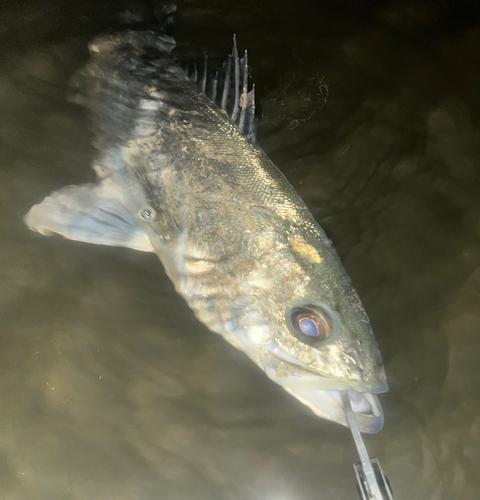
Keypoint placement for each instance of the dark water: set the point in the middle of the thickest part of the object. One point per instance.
(110, 389)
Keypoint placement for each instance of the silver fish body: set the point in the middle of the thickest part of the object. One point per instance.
(178, 177)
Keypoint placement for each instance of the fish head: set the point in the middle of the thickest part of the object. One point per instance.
(312, 333)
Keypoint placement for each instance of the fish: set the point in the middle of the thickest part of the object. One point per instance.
(180, 173)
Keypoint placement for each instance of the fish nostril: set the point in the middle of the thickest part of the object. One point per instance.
(352, 352)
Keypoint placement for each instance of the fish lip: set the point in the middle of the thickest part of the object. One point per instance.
(277, 355)
(366, 408)
(364, 397)
(322, 394)
(378, 388)
(368, 424)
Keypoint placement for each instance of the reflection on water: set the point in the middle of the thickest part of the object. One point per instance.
(111, 389)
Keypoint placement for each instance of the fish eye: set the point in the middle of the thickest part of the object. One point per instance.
(310, 324)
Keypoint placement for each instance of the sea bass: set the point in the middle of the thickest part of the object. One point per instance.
(180, 174)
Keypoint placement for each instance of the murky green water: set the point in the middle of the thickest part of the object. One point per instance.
(109, 387)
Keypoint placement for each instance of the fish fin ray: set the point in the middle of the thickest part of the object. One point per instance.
(228, 88)
(92, 213)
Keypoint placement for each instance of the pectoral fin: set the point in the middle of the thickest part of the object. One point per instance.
(89, 213)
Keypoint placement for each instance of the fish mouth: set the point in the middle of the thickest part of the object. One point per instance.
(323, 395)
(328, 405)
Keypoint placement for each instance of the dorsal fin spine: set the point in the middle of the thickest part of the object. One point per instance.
(244, 97)
(204, 79)
(238, 103)
(226, 85)
(237, 80)
(251, 114)
(215, 85)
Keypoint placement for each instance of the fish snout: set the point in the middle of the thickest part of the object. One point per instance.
(369, 369)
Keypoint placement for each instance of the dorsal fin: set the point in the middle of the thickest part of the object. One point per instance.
(228, 88)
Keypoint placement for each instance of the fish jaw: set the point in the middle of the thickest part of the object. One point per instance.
(323, 395)
(328, 405)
